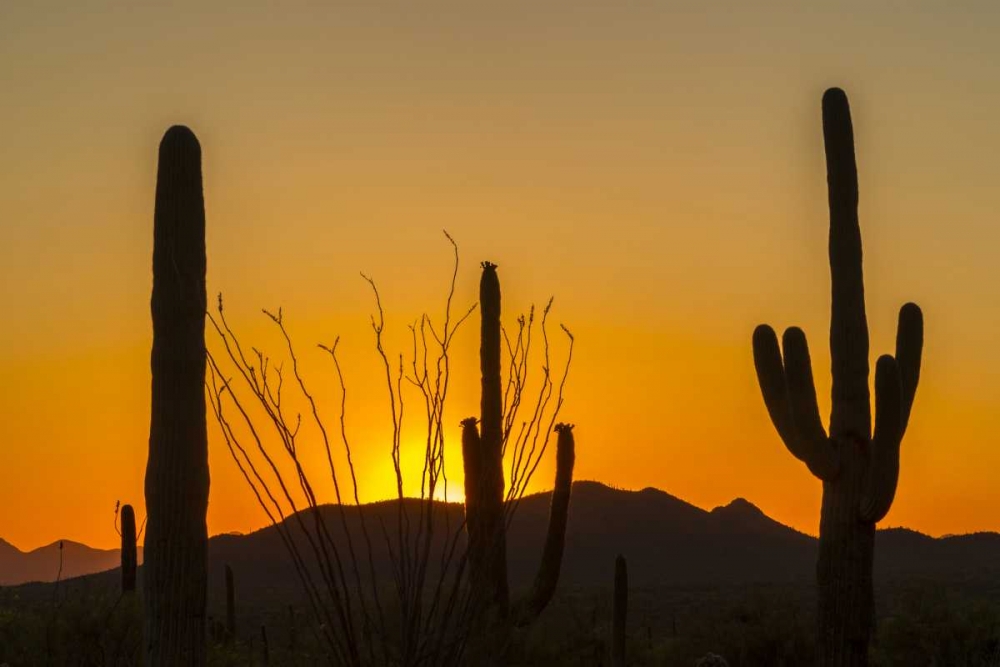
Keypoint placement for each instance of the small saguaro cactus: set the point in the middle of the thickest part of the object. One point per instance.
(619, 613)
(230, 606)
(482, 453)
(128, 551)
(177, 467)
(859, 469)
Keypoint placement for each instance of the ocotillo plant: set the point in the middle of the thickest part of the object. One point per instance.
(177, 468)
(619, 612)
(430, 614)
(128, 552)
(230, 606)
(859, 470)
(483, 454)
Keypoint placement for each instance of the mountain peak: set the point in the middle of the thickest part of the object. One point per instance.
(49, 562)
(740, 507)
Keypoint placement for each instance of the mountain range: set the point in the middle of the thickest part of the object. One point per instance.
(666, 541)
(43, 563)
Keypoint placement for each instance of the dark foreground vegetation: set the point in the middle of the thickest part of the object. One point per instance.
(86, 622)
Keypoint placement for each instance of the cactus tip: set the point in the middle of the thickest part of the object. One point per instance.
(834, 96)
(911, 311)
(180, 137)
(793, 336)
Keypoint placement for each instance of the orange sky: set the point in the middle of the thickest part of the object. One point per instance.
(657, 167)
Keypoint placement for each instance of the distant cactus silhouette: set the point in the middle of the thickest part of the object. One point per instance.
(128, 552)
(177, 476)
(619, 613)
(859, 470)
(230, 606)
(483, 452)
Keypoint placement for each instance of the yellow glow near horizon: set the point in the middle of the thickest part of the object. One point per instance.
(656, 167)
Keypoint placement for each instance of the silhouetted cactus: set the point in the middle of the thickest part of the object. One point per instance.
(492, 577)
(859, 470)
(482, 452)
(230, 606)
(128, 552)
(619, 613)
(177, 476)
(547, 577)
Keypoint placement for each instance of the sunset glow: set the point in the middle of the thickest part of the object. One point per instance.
(668, 208)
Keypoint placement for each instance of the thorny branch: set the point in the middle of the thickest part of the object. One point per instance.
(424, 617)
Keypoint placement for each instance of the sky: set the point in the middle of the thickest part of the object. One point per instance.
(656, 167)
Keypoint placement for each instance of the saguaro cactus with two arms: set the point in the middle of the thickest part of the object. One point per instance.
(177, 468)
(859, 469)
(482, 453)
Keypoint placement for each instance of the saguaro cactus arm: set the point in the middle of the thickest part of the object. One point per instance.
(883, 465)
(473, 469)
(909, 348)
(528, 609)
(895, 387)
(472, 462)
(790, 398)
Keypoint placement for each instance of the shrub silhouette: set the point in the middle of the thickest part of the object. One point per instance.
(177, 469)
(859, 470)
(449, 595)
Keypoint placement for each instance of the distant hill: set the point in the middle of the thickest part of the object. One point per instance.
(42, 564)
(666, 540)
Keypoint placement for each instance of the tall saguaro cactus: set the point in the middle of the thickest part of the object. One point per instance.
(859, 469)
(482, 453)
(177, 477)
(129, 557)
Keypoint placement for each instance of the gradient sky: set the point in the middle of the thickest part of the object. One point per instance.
(658, 167)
